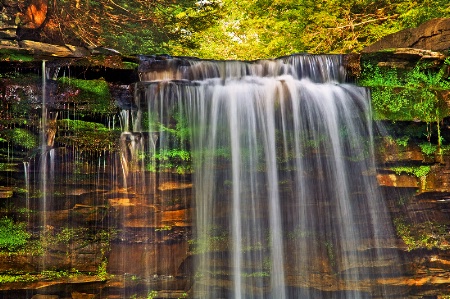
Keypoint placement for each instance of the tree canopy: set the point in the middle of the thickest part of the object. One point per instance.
(229, 29)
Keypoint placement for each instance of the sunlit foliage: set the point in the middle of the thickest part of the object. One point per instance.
(243, 29)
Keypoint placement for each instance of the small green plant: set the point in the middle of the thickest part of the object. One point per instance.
(164, 228)
(92, 95)
(213, 239)
(9, 278)
(409, 94)
(417, 171)
(13, 236)
(152, 295)
(427, 235)
(171, 159)
(102, 272)
(183, 296)
(428, 149)
(53, 275)
(402, 141)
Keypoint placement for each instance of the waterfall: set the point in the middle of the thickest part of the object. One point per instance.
(286, 200)
(26, 172)
(43, 144)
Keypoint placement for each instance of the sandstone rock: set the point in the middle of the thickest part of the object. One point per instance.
(6, 192)
(400, 181)
(53, 50)
(174, 185)
(393, 153)
(432, 35)
(144, 259)
(7, 32)
(9, 44)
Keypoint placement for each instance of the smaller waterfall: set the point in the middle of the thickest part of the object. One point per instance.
(26, 171)
(43, 145)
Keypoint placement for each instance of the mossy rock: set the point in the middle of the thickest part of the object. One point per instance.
(17, 55)
(90, 96)
(87, 136)
(20, 137)
(417, 94)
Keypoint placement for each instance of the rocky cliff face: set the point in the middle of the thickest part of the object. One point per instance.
(433, 35)
(101, 234)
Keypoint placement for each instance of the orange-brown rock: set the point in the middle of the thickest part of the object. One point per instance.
(35, 14)
(401, 181)
(6, 192)
(147, 259)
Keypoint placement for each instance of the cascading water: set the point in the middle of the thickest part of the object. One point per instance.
(43, 143)
(286, 200)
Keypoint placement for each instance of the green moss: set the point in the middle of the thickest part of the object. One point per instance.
(129, 65)
(79, 125)
(410, 95)
(13, 235)
(406, 95)
(10, 278)
(428, 149)
(31, 277)
(426, 235)
(402, 141)
(89, 136)
(178, 160)
(20, 137)
(92, 95)
(418, 171)
(8, 166)
(213, 239)
(15, 55)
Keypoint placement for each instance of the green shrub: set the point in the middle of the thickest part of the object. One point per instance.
(418, 171)
(13, 236)
(428, 148)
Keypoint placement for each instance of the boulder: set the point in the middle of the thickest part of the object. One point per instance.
(432, 35)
